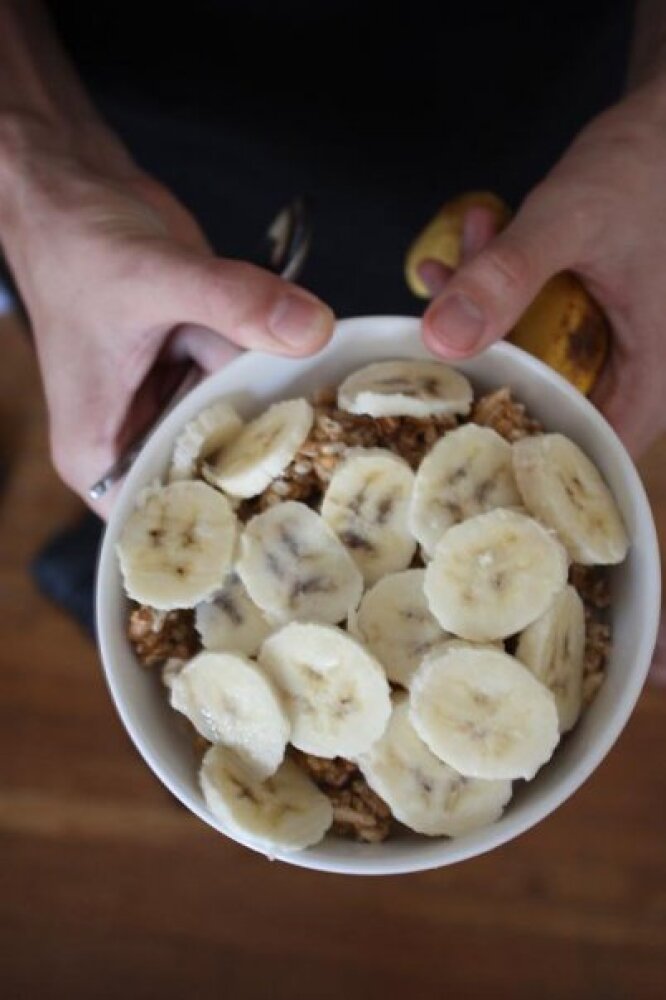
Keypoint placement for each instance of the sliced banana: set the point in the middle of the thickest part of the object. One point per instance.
(207, 433)
(286, 812)
(405, 388)
(172, 667)
(295, 567)
(229, 700)
(422, 791)
(494, 574)
(468, 472)
(483, 713)
(366, 505)
(336, 694)
(230, 620)
(560, 485)
(553, 648)
(396, 625)
(176, 548)
(262, 450)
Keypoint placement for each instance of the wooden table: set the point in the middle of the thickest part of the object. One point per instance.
(108, 888)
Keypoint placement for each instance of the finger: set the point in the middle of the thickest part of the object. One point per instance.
(434, 275)
(628, 396)
(480, 225)
(209, 350)
(249, 306)
(489, 292)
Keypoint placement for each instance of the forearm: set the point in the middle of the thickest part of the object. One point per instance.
(45, 113)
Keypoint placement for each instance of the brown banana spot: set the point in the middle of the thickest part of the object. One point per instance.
(290, 542)
(384, 508)
(225, 603)
(355, 541)
(586, 342)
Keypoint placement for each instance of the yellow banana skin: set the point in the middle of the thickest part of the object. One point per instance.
(566, 329)
(563, 326)
(442, 238)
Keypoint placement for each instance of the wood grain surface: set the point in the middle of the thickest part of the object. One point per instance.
(108, 888)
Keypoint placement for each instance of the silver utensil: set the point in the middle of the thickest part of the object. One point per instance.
(285, 249)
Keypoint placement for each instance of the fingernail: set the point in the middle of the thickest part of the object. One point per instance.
(434, 275)
(457, 322)
(298, 320)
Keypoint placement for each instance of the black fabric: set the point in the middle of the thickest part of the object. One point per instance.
(377, 112)
(64, 570)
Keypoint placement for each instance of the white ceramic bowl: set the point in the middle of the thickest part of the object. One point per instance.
(255, 380)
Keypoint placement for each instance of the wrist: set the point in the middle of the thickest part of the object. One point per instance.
(33, 148)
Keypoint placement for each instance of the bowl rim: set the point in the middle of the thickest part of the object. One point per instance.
(492, 836)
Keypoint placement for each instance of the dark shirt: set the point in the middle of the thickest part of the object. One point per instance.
(378, 112)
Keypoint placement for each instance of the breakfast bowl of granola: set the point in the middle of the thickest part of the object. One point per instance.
(371, 613)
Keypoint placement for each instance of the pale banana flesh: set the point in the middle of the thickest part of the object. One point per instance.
(553, 648)
(494, 574)
(469, 471)
(366, 504)
(422, 791)
(294, 567)
(209, 431)
(177, 547)
(406, 388)
(483, 713)
(262, 450)
(230, 701)
(561, 486)
(230, 620)
(395, 623)
(336, 694)
(285, 812)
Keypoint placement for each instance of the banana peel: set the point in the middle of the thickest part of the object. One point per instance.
(442, 238)
(563, 327)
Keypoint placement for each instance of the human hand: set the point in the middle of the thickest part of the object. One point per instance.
(601, 213)
(123, 292)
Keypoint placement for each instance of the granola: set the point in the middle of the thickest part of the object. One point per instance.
(502, 413)
(157, 636)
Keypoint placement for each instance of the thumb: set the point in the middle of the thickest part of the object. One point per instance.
(488, 294)
(244, 305)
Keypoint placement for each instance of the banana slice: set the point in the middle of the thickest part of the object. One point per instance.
(230, 620)
(560, 485)
(396, 625)
(553, 648)
(176, 548)
(230, 701)
(422, 791)
(366, 505)
(294, 567)
(286, 812)
(336, 694)
(468, 472)
(405, 388)
(262, 450)
(494, 574)
(483, 713)
(207, 433)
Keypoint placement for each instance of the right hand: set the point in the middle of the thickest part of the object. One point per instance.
(123, 291)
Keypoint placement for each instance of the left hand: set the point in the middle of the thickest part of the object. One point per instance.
(601, 213)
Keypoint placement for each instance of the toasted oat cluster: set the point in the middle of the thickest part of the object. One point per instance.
(358, 812)
(503, 414)
(158, 636)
